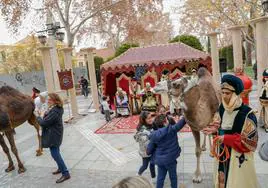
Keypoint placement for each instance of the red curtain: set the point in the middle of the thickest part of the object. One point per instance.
(110, 88)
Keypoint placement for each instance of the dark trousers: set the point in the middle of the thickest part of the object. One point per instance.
(85, 91)
(107, 115)
(162, 172)
(55, 153)
(144, 166)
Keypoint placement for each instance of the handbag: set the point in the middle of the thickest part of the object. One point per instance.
(263, 152)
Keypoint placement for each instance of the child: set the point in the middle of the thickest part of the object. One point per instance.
(144, 129)
(106, 108)
(164, 143)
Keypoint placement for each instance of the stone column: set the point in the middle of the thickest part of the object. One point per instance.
(46, 61)
(261, 47)
(53, 53)
(92, 75)
(215, 56)
(237, 46)
(67, 52)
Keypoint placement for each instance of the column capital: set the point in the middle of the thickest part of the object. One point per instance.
(44, 48)
(261, 19)
(213, 34)
(67, 49)
(236, 27)
(87, 50)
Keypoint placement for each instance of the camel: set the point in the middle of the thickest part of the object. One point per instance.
(199, 102)
(15, 109)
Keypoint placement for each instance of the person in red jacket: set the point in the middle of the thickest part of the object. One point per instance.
(238, 134)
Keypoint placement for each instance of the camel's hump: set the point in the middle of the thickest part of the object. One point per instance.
(7, 90)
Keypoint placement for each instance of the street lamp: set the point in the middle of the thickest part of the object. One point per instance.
(42, 39)
(265, 6)
(52, 30)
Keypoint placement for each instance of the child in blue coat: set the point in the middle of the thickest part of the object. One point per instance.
(164, 143)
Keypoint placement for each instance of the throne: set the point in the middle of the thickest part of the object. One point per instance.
(123, 82)
(150, 77)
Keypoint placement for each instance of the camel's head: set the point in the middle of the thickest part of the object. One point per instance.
(161, 87)
(178, 86)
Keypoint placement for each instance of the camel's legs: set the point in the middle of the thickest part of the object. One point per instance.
(210, 137)
(6, 150)
(197, 177)
(34, 122)
(10, 137)
(204, 143)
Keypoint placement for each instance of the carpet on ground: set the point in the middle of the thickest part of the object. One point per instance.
(125, 125)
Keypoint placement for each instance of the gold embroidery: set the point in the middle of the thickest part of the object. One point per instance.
(249, 135)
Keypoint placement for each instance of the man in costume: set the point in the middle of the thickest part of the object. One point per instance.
(194, 76)
(134, 90)
(164, 96)
(238, 135)
(35, 93)
(263, 120)
(148, 98)
(122, 102)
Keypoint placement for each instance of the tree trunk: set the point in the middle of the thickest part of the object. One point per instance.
(70, 39)
(248, 54)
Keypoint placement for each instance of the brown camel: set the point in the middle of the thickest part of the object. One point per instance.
(199, 101)
(15, 109)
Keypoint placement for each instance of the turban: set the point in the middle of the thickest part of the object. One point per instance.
(232, 83)
(265, 73)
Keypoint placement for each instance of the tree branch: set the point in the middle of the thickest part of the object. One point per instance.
(222, 12)
(60, 13)
(77, 27)
(67, 9)
(248, 39)
(244, 16)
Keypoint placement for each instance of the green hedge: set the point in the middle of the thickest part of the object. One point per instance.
(189, 40)
(98, 61)
(125, 47)
(227, 53)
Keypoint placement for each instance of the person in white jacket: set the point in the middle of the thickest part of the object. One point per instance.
(41, 105)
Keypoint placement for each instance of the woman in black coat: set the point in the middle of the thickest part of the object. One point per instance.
(52, 133)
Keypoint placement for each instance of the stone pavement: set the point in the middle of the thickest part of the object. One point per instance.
(102, 160)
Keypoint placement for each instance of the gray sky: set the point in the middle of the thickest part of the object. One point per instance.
(8, 38)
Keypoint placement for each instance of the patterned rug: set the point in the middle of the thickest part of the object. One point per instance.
(125, 125)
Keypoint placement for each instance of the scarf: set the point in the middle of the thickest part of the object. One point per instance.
(48, 109)
(234, 103)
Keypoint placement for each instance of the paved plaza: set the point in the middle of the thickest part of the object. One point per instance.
(102, 160)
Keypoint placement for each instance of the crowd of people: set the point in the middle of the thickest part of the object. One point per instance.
(236, 133)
